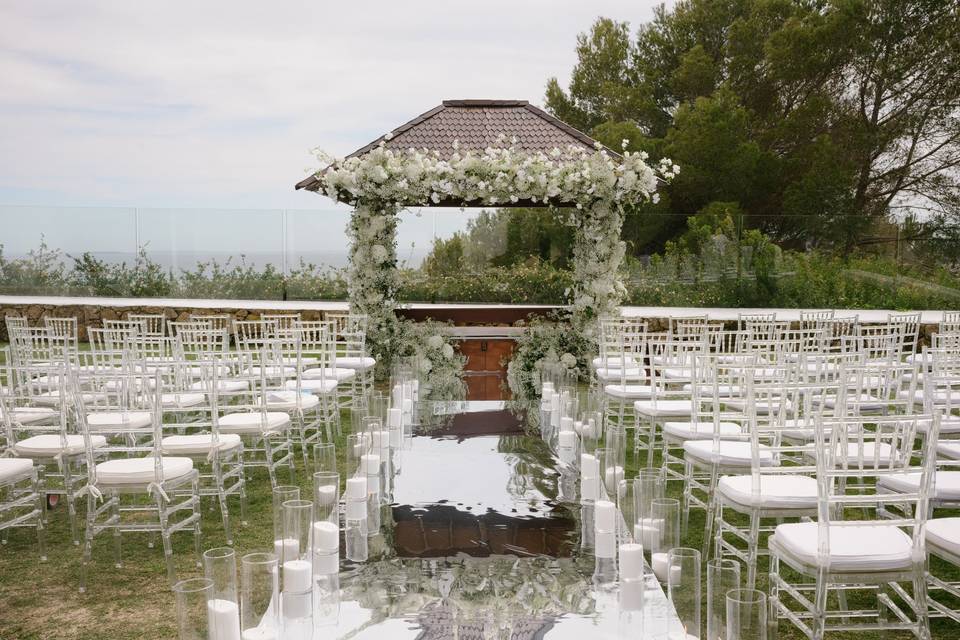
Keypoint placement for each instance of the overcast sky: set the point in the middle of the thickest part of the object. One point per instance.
(217, 104)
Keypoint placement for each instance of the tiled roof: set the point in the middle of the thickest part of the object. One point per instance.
(476, 125)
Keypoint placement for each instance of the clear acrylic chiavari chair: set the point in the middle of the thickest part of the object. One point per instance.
(849, 550)
(137, 489)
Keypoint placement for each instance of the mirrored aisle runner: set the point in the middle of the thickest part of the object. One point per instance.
(480, 543)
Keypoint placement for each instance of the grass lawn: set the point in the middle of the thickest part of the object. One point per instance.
(41, 601)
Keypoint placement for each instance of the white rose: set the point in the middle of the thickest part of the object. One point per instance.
(379, 253)
(426, 365)
(435, 341)
(448, 350)
(568, 360)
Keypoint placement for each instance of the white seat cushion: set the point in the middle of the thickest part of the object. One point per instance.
(944, 533)
(313, 386)
(866, 402)
(287, 400)
(356, 362)
(272, 372)
(107, 420)
(611, 362)
(14, 468)
(33, 415)
(677, 373)
(723, 390)
(947, 426)
(50, 444)
(762, 408)
(254, 422)
(702, 430)
(776, 491)
(199, 444)
(305, 361)
(338, 374)
(181, 400)
(613, 375)
(853, 548)
(628, 391)
(222, 385)
(949, 449)
(52, 398)
(868, 452)
(663, 408)
(726, 452)
(946, 484)
(140, 470)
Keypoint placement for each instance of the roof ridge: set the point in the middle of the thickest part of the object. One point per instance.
(485, 103)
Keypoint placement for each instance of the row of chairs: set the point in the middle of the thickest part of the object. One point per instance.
(808, 421)
(144, 424)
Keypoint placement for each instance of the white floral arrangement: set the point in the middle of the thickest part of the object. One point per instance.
(594, 186)
(571, 177)
(438, 365)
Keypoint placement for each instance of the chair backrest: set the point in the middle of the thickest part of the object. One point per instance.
(909, 324)
(151, 324)
(20, 391)
(119, 399)
(38, 345)
(816, 319)
(282, 320)
(950, 322)
(250, 333)
(213, 320)
(853, 451)
(200, 342)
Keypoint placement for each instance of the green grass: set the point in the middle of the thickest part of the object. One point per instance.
(41, 601)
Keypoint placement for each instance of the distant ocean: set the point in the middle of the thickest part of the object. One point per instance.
(177, 260)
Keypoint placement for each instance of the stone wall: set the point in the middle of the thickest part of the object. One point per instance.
(94, 315)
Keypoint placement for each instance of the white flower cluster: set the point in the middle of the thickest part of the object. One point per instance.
(574, 176)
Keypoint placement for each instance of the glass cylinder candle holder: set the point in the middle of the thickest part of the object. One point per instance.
(355, 519)
(683, 588)
(358, 445)
(589, 478)
(326, 497)
(281, 493)
(297, 571)
(380, 445)
(259, 597)
(631, 577)
(193, 598)
(627, 503)
(663, 529)
(746, 614)
(616, 442)
(325, 457)
(648, 486)
(611, 470)
(220, 567)
(722, 576)
(379, 403)
(326, 570)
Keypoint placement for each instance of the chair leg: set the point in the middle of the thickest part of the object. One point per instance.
(819, 622)
(754, 549)
(71, 499)
(115, 520)
(41, 506)
(920, 602)
(165, 537)
(222, 498)
(88, 541)
(243, 489)
(773, 598)
(197, 541)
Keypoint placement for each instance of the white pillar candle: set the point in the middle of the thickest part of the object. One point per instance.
(357, 488)
(296, 576)
(659, 562)
(613, 476)
(647, 532)
(326, 536)
(370, 463)
(294, 606)
(605, 516)
(393, 417)
(287, 548)
(224, 618)
(260, 633)
(605, 544)
(631, 561)
(591, 430)
(567, 440)
(407, 406)
(326, 495)
(566, 425)
(588, 465)
(397, 395)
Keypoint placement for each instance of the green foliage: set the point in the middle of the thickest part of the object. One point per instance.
(143, 279)
(42, 271)
(822, 120)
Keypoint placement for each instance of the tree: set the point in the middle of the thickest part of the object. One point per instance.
(822, 119)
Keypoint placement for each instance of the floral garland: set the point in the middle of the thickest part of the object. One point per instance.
(372, 277)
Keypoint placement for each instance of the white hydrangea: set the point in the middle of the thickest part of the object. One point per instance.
(448, 351)
(568, 360)
(435, 341)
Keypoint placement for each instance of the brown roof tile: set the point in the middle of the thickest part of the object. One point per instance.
(476, 125)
